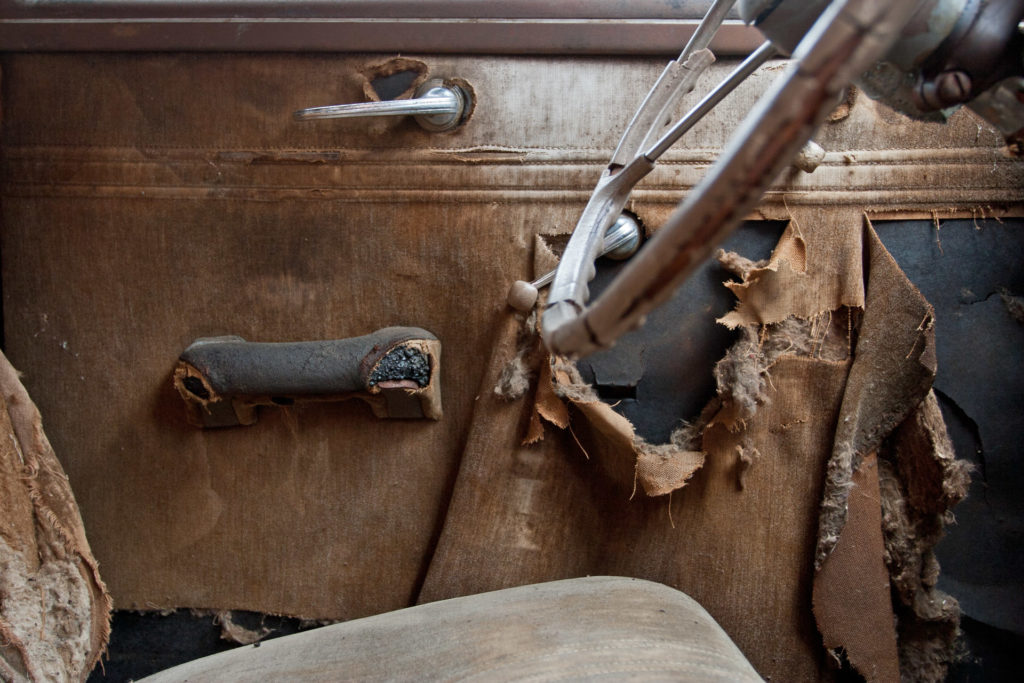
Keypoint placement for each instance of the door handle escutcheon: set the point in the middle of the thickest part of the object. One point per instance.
(437, 106)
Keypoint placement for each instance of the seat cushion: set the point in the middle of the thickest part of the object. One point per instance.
(600, 627)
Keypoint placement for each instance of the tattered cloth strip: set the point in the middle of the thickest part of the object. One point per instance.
(919, 480)
(851, 590)
(888, 405)
(563, 400)
(880, 517)
(887, 409)
(54, 608)
(560, 395)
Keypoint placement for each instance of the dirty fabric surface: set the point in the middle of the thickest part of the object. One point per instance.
(786, 431)
(588, 628)
(152, 225)
(175, 195)
(54, 608)
(560, 515)
(851, 598)
(920, 478)
(891, 374)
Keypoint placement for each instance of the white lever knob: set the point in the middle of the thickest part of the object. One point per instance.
(621, 241)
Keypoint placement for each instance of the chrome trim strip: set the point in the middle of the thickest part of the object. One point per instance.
(445, 36)
(311, 9)
(526, 27)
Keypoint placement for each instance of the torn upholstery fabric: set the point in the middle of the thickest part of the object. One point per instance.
(54, 608)
(889, 387)
(123, 187)
(547, 511)
(758, 483)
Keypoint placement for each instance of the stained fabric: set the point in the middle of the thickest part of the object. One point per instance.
(54, 607)
(852, 602)
(152, 199)
(802, 401)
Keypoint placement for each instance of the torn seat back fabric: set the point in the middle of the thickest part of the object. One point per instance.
(54, 607)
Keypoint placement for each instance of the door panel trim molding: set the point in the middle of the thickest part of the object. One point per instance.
(606, 27)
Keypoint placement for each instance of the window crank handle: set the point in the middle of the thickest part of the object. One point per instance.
(437, 107)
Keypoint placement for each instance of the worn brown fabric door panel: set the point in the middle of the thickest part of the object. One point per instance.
(319, 500)
(152, 199)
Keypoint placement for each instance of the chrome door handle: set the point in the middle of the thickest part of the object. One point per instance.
(437, 107)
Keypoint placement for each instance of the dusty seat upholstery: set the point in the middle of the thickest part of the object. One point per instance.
(579, 628)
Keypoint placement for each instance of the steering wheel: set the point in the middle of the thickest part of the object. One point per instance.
(832, 44)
